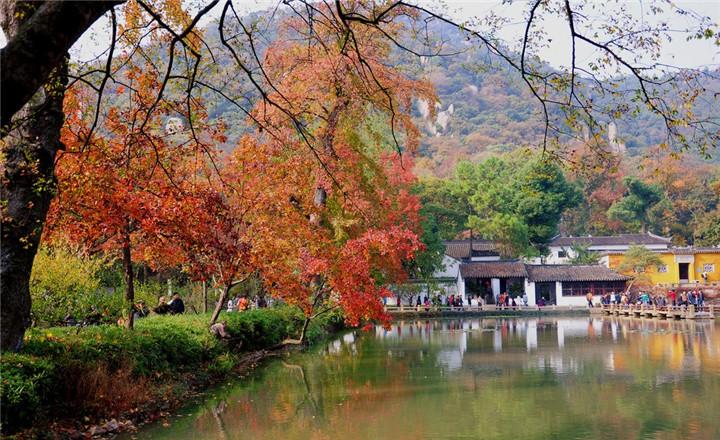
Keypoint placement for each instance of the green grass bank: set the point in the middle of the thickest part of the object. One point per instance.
(107, 371)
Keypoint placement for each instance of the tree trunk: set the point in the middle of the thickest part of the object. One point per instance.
(303, 332)
(27, 188)
(627, 290)
(204, 295)
(220, 303)
(39, 34)
(129, 281)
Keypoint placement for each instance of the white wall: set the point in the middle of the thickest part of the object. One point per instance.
(450, 268)
(461, 287)
(495, 285)
(530, 292)
(568, 300)
(554, 259)
(486, 258)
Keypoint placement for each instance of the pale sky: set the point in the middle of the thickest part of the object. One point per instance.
(678, 52)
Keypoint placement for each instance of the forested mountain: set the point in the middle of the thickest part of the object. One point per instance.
(483, 109)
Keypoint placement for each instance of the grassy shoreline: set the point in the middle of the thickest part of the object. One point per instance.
(65, 380)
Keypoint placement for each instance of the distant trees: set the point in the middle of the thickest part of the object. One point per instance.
(708, 221)
(640, 205)
(582, 254)
(516, 200)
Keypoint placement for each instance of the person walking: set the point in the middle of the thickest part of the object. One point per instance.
(589, 298)
(242, 304)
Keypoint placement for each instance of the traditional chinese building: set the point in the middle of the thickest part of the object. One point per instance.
(474, 270)
(561, 248)
(680, 266)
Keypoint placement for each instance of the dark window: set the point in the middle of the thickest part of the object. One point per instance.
(562, 254)
(581, 288)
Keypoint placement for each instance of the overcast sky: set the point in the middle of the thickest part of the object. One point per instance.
(679, 52)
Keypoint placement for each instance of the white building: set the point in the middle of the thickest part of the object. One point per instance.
(473, 270)
(561, 247)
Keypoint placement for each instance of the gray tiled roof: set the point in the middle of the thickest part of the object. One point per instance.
(612, 240)
(493, 269)
(565, 272)
(460, 249)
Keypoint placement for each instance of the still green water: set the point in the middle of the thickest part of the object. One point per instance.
(530, 378)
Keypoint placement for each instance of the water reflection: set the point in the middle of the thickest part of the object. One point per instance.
(531, 378)
(563, 345)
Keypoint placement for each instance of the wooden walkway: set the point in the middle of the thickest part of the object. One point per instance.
(666, 312)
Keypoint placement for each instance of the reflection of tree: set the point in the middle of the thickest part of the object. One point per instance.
(217, 412)
(308, 397)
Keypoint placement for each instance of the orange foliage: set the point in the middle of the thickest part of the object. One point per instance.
(317, 201)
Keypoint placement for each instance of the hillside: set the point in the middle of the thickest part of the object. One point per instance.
(484, 108)
(483, 112)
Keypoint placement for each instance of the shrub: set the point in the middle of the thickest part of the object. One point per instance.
(25, 385)
(81, 365)
(62, 283)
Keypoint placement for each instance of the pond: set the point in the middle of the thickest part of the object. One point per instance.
(528, 378)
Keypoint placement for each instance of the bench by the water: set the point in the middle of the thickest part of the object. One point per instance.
(661, 312)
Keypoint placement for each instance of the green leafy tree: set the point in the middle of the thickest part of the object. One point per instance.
(636, 261)
(430, 259)
(517, 201)
(444, 206)
(582, 254)
(642, 202)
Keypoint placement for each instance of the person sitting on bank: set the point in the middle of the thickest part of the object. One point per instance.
(162, 308)
(219, 329)
(140, 310)
(69, 321)
(177, 306)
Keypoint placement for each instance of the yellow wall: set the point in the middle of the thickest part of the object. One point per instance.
(672, 276)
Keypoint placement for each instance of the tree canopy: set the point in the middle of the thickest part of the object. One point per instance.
(301, 97)
(639, 205)
(517, 201)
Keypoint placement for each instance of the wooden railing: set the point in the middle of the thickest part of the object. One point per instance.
(683, 311)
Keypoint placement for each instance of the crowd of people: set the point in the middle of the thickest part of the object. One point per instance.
(503, 300)
(695, 297)
(240, 304)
